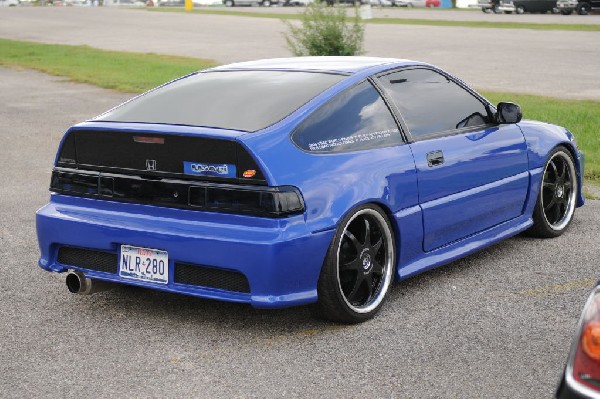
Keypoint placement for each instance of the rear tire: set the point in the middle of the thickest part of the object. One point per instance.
(359, 268)
(520, 10)
(229, 3)
(583, 8)
(557, 197)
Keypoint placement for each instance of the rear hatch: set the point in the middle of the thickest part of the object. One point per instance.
(159, 155)
(171, 170)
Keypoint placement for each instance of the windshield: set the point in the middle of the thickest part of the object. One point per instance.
(239, 100)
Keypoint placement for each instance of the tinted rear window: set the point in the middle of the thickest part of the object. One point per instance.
(239, 100)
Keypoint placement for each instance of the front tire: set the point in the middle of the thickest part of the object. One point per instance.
(359, 268)
(520, 10)
(557, 197)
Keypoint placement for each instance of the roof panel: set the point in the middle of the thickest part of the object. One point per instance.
(325, 64)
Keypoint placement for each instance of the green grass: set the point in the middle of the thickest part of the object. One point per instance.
(122, 71)
(134, 73)
(581, 117)
(403, 21)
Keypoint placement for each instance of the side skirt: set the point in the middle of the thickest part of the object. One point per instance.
(463, 247)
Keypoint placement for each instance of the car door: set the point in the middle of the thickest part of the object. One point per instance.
(472, 173)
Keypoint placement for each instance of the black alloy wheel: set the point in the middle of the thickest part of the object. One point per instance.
(557, 198)
(359, 268)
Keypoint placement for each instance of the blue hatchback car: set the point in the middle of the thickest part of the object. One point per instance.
(316, 180)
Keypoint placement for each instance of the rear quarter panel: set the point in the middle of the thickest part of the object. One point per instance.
(333, 184)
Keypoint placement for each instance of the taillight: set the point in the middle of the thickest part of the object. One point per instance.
(265, 201)
(582, 374)
(586, 360)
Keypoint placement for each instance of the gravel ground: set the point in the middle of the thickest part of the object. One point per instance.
(496, 324)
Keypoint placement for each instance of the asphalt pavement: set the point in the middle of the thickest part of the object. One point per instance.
(552, 63)
(496, 324)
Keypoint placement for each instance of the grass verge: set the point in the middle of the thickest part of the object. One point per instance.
(122, 71)
(134, 73)
(581, 117)
(403, 21)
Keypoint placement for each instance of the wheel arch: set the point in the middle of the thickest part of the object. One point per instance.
(392, 220)
(543, 138)
(579, 167)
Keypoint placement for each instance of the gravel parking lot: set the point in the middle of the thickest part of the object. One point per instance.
(496, 324)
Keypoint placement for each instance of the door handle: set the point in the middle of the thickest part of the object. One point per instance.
(435, 158)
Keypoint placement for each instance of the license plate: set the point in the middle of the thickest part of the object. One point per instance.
(145, 264)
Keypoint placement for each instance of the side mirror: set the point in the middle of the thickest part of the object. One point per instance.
(508, 113)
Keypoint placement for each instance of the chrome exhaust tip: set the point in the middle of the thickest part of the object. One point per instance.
(78, 283)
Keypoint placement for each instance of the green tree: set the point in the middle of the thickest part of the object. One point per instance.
(326, 31)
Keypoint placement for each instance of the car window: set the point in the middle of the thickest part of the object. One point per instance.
(240, 100)
(355, 119)
(431, 103)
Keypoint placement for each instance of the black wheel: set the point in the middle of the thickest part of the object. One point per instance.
(359, 268)
(566, 12)
(520, 10)
(557, 197)
(266, 3)
(229, 3)
(583, 8)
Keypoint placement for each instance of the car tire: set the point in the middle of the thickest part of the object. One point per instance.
(566, 12)
(229, 3)
(495, 9)
(266, 3)
(583, 8)
(520, 10)
(359, 267)
(557, 196)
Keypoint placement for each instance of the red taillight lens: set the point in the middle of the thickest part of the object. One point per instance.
(586, 359)
(590, 340)
(149, 139)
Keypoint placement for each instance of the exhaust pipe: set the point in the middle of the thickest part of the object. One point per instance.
(78, 283)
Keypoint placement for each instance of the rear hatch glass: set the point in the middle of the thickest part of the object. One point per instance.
(237, 100)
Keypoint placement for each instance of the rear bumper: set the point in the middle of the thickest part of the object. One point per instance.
(280, 258)
(506, 8)
(567, 6)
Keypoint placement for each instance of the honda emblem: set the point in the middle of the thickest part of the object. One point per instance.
(150, 164)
